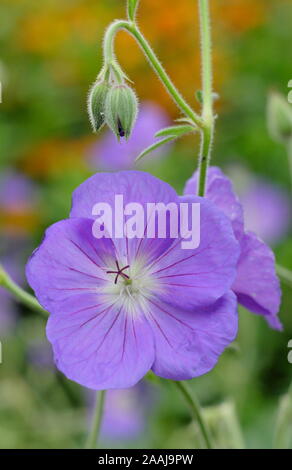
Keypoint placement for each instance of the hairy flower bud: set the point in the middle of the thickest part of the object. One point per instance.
(96, 103)
(121, 108)
(279, 117)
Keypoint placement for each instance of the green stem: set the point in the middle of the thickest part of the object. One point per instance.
(92, 440)
(289, 154)
(206, 52)
(207, 132)
(196, 411)
(23, 296)
(132, 28)
(205, 156)
(285, 274)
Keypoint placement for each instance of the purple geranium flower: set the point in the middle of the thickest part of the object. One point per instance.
(256, 284)
(120, 307)
(109, 154)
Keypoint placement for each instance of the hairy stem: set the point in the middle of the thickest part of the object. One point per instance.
(207, 113)
(196, 411)
(93, 436)
(132, 28)
(205, 156)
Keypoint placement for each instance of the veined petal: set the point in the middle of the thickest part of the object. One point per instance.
(134, 187)
(188, 344)
(257, 286)
(102, 348)
(70, 262)
(200, 276)
(220, 191)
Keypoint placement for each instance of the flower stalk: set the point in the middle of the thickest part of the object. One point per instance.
(284, 274)
(93, 437)
(133, 29)
(205, 121)
(196, 411)
(207, 132)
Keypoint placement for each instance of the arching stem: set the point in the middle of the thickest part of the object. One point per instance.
(132, 28)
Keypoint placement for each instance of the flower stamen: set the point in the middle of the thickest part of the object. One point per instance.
(120, 272)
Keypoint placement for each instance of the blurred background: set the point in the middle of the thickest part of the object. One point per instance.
(50, 55)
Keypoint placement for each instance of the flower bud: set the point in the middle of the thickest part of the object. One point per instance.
(96, 104)
(279, 117)
(121, 108)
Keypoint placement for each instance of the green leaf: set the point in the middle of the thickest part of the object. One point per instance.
(132, 9)
(153, 147)
(185, 120)
(175, 131)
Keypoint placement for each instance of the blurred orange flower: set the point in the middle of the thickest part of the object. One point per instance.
(56, 30)
(241, 15)
(52, 157)
(18, 221)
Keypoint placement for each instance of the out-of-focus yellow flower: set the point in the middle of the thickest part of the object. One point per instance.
(52, 157)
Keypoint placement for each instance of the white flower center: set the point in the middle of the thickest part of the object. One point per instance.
(129, 286)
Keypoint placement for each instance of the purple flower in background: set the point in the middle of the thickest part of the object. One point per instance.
(122, 306)
(256, 285)
(126, 412)
(17, 207)
(109, 154)
(40, 354)
(267, 210)
(16, 191)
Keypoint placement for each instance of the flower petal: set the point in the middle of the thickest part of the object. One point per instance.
(220, 191)
(135, 187)
(102, 348)
(95, 342)
(69, 263)
(257, 286)
(188, 344)
(200, 276)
